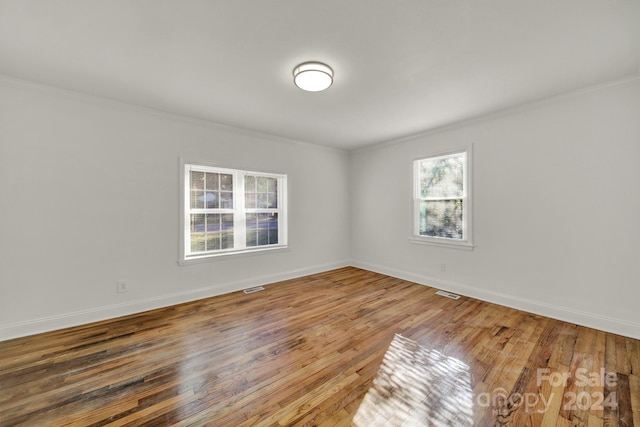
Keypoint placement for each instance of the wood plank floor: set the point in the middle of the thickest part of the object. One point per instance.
(305, 352)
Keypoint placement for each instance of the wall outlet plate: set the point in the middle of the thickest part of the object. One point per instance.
(122, 286)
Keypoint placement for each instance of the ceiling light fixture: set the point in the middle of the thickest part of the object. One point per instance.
(313, 76)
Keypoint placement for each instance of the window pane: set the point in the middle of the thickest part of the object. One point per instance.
(226, 182)
(262, 184)
(227, 240)
(197, 242)
(251, 229)
(263, 201)
(227, 221)
(273, 230)
(252, 221)
(197, 180)
(252, 238)
(212, 198)
(441, 218)
(226, 200)
(269, 219)
(197, 222)
(273, 235)
(273, 200)
(269, 223)
(263, 236)
(250, 200)
(213, 222)
(442, 176)
(271, 185)
(212, 181)
(213, 241)
(250, 183)
(197, 199)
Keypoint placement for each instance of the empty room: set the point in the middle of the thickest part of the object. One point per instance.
(339, 213)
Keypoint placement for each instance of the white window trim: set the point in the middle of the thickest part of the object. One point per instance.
(467, 212)
(238, 202)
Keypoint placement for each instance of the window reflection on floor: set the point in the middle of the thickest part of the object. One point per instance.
(416, 386)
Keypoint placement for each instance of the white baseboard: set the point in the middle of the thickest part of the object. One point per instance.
(65, 320)
(578, 317)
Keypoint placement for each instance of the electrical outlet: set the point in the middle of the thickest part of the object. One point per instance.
(443, 267)
(122, 286)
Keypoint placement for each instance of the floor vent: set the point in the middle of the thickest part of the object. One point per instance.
(252, 290)
(447, 294)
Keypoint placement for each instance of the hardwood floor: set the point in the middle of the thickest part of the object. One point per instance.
(305, 352)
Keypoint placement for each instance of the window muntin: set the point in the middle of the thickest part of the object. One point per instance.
(229, 211)
(441, 198)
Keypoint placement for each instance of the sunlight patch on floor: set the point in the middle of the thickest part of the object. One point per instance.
(416, 386)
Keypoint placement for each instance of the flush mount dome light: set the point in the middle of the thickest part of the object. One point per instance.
(313, 76)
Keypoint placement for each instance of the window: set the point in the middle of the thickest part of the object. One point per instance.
(442, 203)
(229, 211)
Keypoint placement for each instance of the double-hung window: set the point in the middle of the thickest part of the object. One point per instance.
(228, 211)
(442, 202)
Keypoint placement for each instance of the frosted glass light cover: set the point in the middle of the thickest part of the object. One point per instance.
(313, 76)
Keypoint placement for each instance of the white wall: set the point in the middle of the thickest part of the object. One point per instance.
(89, 195)
(556, 211)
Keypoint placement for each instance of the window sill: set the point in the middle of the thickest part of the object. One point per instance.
(441, 242)
(196, 259)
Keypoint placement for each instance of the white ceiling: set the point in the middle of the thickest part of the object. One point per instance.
(401, 67)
